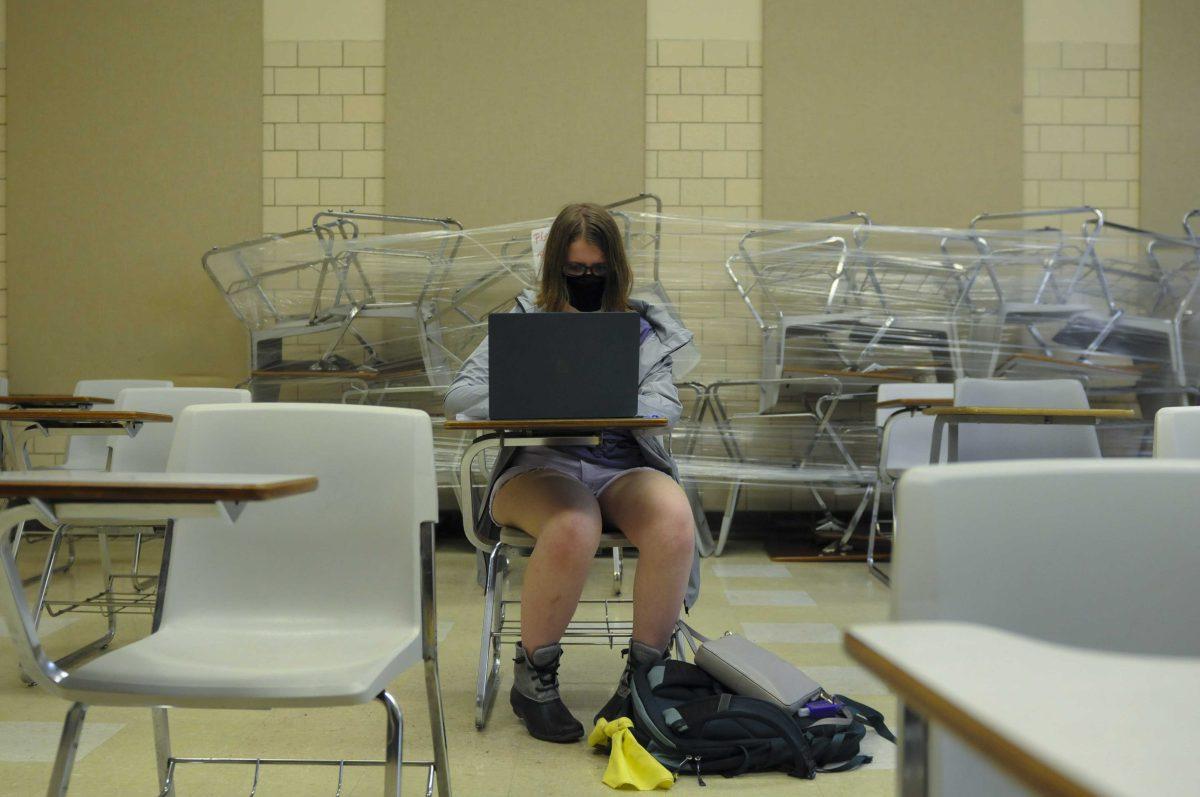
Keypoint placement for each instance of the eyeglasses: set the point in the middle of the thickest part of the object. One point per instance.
(579, 269)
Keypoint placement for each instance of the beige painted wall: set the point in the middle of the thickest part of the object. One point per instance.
(136, 141)
(1170, 112)
(914, 117)
(503, 111)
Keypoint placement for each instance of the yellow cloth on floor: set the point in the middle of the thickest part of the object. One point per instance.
(629, 765)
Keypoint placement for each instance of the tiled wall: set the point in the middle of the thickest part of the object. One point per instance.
(1082, 126)
(322, 130)
(704, 126)
(704, 158)
(3, 205)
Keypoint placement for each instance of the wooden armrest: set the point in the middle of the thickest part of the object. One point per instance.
(87, 486)
(49, 417)
(52, 400)
(1030, 412)
(540, 424)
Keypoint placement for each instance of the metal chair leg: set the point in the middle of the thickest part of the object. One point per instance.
(618, 570)
(394, 753)
(488, 674)
(68, 745)
(731, 500)
(437, 726)
(843, 543)
(48, 569)
(18, 534)
(162, 751)
(872, 532)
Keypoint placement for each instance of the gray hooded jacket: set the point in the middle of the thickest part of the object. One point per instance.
(467, 399)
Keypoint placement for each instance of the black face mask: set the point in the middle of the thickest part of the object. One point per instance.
(586, 292)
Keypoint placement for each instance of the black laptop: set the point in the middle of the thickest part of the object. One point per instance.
(562, 365)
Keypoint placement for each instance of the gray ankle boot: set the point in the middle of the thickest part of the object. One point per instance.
(535, 699)
(636, 655)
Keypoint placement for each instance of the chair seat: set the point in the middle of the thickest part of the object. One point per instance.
(259, 663)
(519, 539)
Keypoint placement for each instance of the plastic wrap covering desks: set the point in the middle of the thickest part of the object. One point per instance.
(847, 299)
(313, 292)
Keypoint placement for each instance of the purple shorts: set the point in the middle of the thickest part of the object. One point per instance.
(596, 478)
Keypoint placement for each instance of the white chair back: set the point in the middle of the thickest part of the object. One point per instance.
(91, 453)
(355, 537)
(1092, 553)
(983, 442)
(147, 452)
(909, 434)
(1099, 554)
(1177, 432)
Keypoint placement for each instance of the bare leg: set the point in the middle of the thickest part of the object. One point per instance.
(653, 512)
(564, 518)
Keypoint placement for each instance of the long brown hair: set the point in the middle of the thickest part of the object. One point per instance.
(597, 226)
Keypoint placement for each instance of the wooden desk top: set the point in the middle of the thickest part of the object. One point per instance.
(1030, 412)
(1041, 711)
(572, 424)
(90, 486)
(52, 417)
(915, 403)
(43, 400)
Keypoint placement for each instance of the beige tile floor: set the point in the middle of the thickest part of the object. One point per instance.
(797, 610)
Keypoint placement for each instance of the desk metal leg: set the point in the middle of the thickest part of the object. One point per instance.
(914, 763)
(952, 444)
(935, 441)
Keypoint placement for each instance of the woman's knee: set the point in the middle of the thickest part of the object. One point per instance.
(673, 529)
(572, 533)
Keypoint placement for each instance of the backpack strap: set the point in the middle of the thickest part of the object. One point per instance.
(869, 715)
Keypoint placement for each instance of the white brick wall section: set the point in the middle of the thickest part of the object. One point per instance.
(1082, 117)
(3, 211)
(322, 131)
(703, 126)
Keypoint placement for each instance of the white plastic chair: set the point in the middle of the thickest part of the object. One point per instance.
(91, 453)
(1045, 549)
(904, 440)
(351, 610)
(145, 453)
(981, 441)
(148, 451)
(1177, 433)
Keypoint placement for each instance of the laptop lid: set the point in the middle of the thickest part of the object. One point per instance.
(562, 365)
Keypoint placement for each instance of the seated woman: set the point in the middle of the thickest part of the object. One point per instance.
(563, 496)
